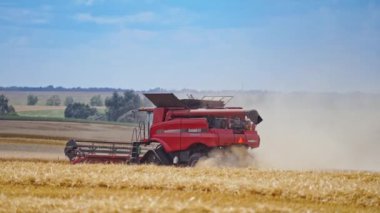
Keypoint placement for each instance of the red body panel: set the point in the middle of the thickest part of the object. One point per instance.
(182, 128)
(225, 136)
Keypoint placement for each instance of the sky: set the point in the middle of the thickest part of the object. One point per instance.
(287, 45)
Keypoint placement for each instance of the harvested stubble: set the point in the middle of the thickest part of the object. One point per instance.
(44, 186)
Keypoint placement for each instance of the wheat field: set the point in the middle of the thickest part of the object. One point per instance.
(39, 186)
(36, 177)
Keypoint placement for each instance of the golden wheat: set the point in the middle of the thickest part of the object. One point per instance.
(36, 186)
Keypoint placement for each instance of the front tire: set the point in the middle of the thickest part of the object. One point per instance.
(150, 158)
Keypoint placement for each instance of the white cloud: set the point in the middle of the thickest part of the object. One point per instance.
(169, 16)
(85, 2)
(25, 16)
(178, 16)
(143, 17)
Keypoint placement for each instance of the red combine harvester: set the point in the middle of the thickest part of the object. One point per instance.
(177, 132)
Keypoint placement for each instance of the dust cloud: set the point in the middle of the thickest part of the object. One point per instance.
(235, 156)
(312, 131)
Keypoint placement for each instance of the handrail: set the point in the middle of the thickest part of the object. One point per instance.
(139, 133)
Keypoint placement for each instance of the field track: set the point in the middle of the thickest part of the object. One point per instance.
(65, 130)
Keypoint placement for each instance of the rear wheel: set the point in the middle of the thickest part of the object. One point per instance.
(194, 158)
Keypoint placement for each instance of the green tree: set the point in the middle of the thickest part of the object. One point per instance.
(68, 100)
(5, 108)
(118, 105)
(96, 101)
(53, 101)
(32, 100)
(79, 110)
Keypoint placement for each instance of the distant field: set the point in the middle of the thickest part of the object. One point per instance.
(45, 111)
(26, 108)
(19, 100)
(40, 111)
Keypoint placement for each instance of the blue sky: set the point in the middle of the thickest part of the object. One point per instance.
(287, 45)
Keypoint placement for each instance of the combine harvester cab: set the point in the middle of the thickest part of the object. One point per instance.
(176, 132)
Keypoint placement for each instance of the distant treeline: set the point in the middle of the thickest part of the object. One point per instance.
(61, 89)
(299, 94)
(52, 88)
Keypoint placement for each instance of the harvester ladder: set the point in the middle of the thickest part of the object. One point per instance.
(139, 133)
(135, 152)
